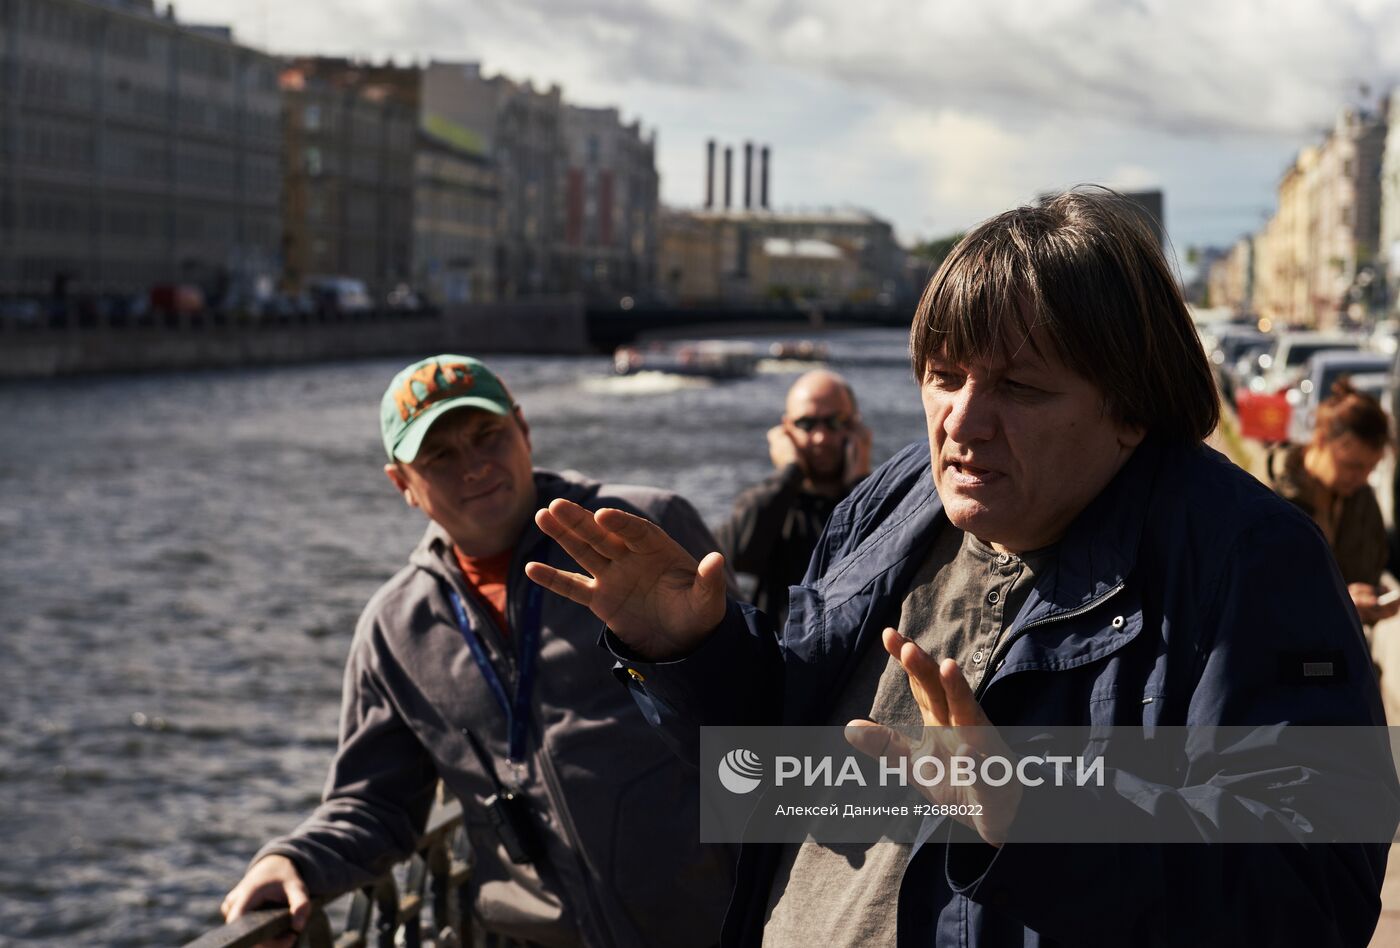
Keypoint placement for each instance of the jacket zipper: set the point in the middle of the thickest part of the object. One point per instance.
(1005, 645)
(566, 825)
(548, 776)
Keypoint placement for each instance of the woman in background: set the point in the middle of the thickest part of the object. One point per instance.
(1327, 479)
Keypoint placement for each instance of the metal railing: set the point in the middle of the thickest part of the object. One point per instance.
(381, 914)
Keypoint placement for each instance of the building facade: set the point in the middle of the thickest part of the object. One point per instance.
(1231, 279)
(611, 206)
(134, 150)
(348, 170)
(456, 200)
(1323, 247)
(577, 190)
(520, 131)
(1344, 231)
(806, 269)
(1294, 263)
(715, 257)
(1388, 247)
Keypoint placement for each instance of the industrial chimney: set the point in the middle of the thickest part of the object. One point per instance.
(728, 175)
(763, 178)
(748, 176)
(710, 175)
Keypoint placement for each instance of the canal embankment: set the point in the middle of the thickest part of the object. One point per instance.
(78, 346)
(89, 343)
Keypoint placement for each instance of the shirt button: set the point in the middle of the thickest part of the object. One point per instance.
(994, 597)
(977, 656)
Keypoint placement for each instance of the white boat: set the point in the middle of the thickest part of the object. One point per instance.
(711, 358)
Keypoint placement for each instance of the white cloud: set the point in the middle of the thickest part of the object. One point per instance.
(1183, 65)
(967, 163)
(933, 113)
(1187, 65)
(1133, 178)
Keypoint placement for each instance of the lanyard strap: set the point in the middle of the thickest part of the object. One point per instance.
(517, 712)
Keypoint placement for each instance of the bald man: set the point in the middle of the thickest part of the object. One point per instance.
(820, 451)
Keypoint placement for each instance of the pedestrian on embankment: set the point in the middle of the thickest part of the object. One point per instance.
(1327, 479)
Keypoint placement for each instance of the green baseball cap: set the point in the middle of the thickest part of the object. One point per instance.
(427, 390)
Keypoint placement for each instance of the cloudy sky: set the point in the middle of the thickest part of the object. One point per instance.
(931, 113)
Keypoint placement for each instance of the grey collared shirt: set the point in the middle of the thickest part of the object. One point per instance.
(959, 604)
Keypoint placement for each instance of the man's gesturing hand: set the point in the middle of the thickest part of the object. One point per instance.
(644, 585)
(954, 725)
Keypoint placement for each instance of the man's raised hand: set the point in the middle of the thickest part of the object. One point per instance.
(643, 584)
(954, 726)
(781, 450)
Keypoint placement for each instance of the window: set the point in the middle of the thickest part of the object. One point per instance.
(313, 161)
(311, 117)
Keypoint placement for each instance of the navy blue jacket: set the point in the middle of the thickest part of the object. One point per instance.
(1173, 598)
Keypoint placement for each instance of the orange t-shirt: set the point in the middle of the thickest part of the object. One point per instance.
(486, 576)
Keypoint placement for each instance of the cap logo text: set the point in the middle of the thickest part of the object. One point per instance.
(457, 380)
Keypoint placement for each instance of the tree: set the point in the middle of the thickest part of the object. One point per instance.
(936, 251)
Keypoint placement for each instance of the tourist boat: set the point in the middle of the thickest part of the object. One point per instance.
(799, 350)
(710, 359)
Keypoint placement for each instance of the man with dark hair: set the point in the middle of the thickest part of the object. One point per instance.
(459, 672)
(1074, 557)
(819, 451)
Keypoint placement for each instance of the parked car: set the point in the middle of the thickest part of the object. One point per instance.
(1230, 344)
(1265, 407)
(1246, 367)
(24, 311)
(287, 306)
(1286, 363)
(1385, 337)
(176, 298)
(403, 298)
(339, 294)
(1377, 385)
(1323, 371)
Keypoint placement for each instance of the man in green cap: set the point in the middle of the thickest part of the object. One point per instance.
(583, 825)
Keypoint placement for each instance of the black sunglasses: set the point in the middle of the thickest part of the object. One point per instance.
(809, 423)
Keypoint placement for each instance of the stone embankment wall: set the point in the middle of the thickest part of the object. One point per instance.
(202, 341)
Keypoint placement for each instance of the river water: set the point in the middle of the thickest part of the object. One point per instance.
(182, 561)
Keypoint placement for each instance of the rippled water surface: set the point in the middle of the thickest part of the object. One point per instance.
(182, 560)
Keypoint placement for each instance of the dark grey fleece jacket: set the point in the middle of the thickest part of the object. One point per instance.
(619, 813)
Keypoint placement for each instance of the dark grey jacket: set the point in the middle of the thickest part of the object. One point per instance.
(619, 813)
(771, 534)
